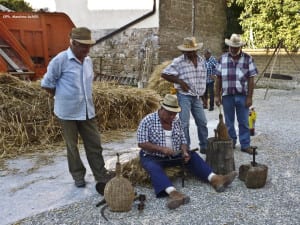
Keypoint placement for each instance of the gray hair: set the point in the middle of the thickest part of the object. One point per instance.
(207, 50)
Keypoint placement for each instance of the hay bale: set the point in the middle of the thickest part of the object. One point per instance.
(27, 122)
(122, 107)
(134, 172)
(157, 83)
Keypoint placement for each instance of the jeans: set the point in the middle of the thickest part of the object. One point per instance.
(192, 104)
(160, 181)
(235, 104)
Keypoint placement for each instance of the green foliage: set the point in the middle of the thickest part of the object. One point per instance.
(17, 5)
(270, 22)
(233, 12)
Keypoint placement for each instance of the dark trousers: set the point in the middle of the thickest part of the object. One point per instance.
(209, 92)
(89, 133)
(160, 181)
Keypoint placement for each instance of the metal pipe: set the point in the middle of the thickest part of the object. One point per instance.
(193, 17)
(128, 25)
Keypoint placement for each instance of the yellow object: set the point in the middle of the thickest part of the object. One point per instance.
(173, 91)
(252, 118)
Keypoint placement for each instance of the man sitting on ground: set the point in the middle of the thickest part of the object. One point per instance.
(162, 141)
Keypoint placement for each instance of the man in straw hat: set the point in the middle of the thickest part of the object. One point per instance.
(69, 78)
(162, 141)
(188, 73)
(235, 83)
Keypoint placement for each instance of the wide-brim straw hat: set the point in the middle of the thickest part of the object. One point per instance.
(190, 44)
(170, 103)
(82, 35)
(235, 41)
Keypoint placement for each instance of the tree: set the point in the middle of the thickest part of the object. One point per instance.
(265, 23)
(17, 5)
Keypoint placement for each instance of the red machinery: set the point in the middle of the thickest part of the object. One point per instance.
(28, 41)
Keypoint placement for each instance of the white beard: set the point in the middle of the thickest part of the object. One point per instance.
(237, 53)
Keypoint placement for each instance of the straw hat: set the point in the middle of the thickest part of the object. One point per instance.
(189, 45)
(235, 41)
(170, 103)
(82, 35)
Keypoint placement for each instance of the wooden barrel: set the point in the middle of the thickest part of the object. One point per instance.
(220, 156)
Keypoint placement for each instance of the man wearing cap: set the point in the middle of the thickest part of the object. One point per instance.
(188, 73)
(69, 78)
(162, 141)
(234, 89)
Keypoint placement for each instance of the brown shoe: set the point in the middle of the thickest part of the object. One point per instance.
(106, 176)
(177, 199)
(220, 182)
(249, 150)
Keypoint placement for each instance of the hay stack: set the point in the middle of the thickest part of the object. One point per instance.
(27, 121)
(134, 172)
(157, 83)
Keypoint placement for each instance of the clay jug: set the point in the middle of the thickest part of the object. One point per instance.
(221, 131)
(119, 192)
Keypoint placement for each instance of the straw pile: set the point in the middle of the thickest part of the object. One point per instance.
(27, 122)
(157, 83)
(133, 171)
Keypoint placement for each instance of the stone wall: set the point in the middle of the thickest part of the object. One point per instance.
(205, 19)
(126, 56)
(135, 52)
(287, 64)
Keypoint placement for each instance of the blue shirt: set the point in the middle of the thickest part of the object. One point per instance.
(184, 69)
(151, 130)
(72, 81)
(211, 67)
(235, 74)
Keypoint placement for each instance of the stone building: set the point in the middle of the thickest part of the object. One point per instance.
(131, 54)
(130, 43)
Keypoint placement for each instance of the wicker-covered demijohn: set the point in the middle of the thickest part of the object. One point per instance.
(119, 192)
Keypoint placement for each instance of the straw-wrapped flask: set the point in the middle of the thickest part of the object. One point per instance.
(119, 192)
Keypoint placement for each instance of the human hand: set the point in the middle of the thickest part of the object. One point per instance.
(217, 101)
(186, 156)
(248, 101)
(167, 151)
(184, 86)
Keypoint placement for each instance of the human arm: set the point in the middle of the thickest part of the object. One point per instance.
(150, 147)
(218, 90)
(51, 91)
(48, 83)
(175, 79)
(250, 91)
(185, 152)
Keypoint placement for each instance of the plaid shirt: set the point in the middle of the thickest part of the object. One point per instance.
(150, 130)
(235, 74)
(184, 69)
(211, 67)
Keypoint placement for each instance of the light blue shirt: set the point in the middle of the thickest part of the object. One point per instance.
(72, 81)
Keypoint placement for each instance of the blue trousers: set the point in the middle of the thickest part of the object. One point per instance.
(192, 104)
(235, 104)
(160, 181)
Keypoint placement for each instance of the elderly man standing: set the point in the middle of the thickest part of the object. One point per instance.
(188, 73)
(211, 63)
(235, 82)
(69, 79)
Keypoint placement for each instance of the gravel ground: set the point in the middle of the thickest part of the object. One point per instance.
(278, 202)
